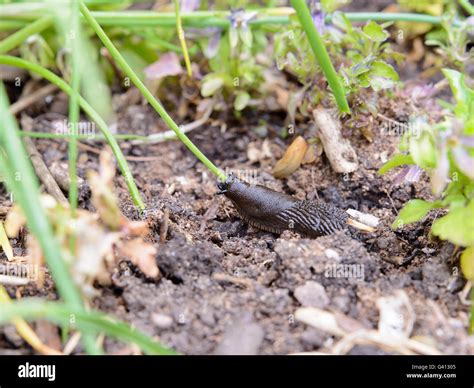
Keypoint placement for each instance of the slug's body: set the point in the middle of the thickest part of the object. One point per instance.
(275, 212)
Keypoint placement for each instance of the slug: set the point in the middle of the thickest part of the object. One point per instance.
(275, 212)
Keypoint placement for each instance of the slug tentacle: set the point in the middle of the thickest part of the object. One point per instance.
(275, 212)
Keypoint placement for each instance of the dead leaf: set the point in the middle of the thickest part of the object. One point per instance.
(142, 254)
(103, 198)
(167, 65)
(292, 158)
(15, 221)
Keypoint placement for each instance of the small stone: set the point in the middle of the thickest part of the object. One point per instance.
(162, 321)
(312, 294)
(242, 338)
(312, 338)
(332, 254)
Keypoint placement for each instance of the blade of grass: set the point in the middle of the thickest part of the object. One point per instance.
(321, 54)
(45, 135)
(25, 330)
(73, 120)
(5, 243)
(204, 19)
(26, 192)
(87, 322)
(74, 106)
(182, 39)
(20, 36)
(147, 94)
(53, 78)
(467, 6)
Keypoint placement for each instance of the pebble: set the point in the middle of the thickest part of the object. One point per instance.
(162, 321)
(241, 338)
(312, 294)
(332, 254)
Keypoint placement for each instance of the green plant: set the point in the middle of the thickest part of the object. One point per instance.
(90, 322)
(147, 94)
(452, 42)
(16, 169)
(320, 52)
(446, 152)
(360, 54)
(234, 68)
(18, 62)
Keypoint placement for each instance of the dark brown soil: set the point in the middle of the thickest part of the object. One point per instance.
(228, 288)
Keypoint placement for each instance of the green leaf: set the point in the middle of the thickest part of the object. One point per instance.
(233, 37)
(458, 85)
(85, 321)
(397, 160)
(211, 84)
(241, 100)
(382, 76)
(467, 263)
(423, 150)
(413, 211)
(340, 20)
(375, 32)
(246, 36)
(457, 226)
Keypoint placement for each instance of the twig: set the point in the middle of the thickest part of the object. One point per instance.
(224, 277)
(164, 226)
(338, 150)
(130, 158)
(41, 169)
(25, 102)
(13, 280)
(171, 135)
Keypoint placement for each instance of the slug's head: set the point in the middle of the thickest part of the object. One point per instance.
(225, 186)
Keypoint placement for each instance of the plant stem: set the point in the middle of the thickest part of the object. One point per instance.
(467, 6)
(147, 94)
(87, 108)
(321, 54)
(87, 322)
(45, 135)
(182, 39)
(203, 19)
(74, 107)
(26, 191)
(20, 36)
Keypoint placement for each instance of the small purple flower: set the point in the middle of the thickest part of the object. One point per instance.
(464, 161)
(213, 43)
(467, 141)
(409, 174)
(239, 18)
(439, 176)
(189, 5)
(318, 16)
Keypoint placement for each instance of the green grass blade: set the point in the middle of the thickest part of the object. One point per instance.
(20, 36)
(90, 322)
(182, 39)
(321, 54)
(147, 94)
(21, 180)
(53, 78)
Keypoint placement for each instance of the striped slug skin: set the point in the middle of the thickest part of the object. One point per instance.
(275, 212)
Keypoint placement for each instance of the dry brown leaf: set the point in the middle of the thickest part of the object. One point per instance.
(103, 198)
(142, 254)
(292, 158)
(15, 221)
